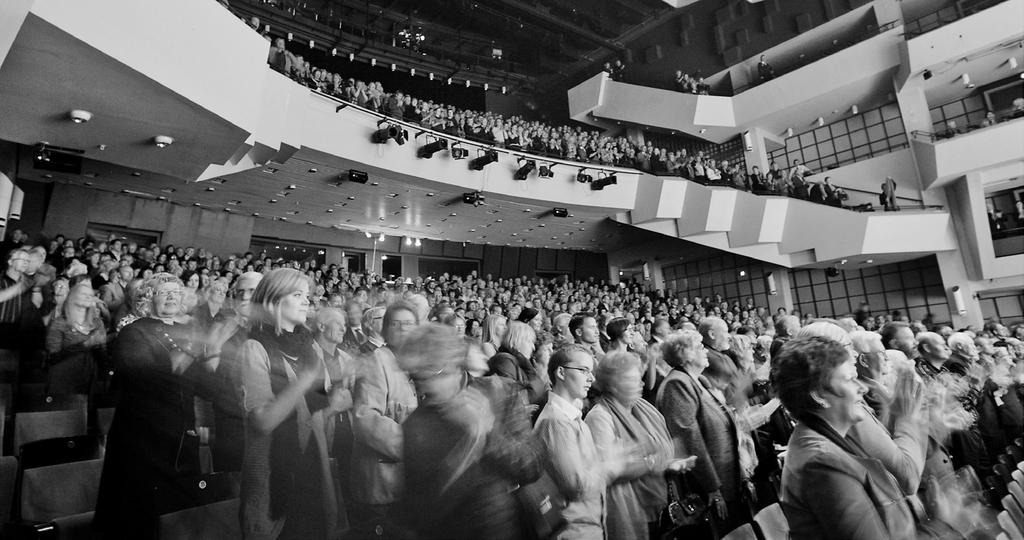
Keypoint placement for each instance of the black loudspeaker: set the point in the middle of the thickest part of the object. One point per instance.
(358, 177)
(831, 271)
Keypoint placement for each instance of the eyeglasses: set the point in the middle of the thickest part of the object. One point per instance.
(427, 375)
(583, 370)
(403, 324)
(169, 292)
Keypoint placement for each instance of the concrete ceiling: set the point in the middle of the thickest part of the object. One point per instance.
(312, 188)
(48, 73)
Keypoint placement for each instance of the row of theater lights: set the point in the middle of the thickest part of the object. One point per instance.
(394, 67)
(81, 116)
(388, 130)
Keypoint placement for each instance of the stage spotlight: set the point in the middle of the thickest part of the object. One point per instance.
(458, 152)
(602, 181)
(545, 171)
(584, 178)
(390, 131)
(560, 212)
(476, 198)
(427, 151)
(525, 170)
(359, 177)
(486, 158)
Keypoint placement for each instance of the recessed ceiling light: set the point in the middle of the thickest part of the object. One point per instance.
(430, 194)
(541, 225)
(47, 175)
(515, 234)
(453, 214)
(272, 201)
(293, 213)
(527, 210)
(236, 201)
(292, 186)
(392, 195)
(330, 210)
(312, 170)
(89, 174)
(162, 141)
(351, 198)
(374, 183)
(499, 220)
(405, 207)
(136, 173)
(256, 214)
(211, 188)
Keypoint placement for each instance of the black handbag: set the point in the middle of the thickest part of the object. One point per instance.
(685, 506)
(542, 505)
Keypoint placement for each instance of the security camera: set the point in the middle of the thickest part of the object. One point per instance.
(79, 116)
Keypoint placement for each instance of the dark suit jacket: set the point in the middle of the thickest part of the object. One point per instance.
(706, 429)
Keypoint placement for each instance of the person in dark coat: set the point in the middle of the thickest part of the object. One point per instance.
(152, 445)
(467, 446)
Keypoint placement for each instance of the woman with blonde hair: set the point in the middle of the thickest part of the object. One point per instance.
(74, 343)
(287, 490)
(514, 362)
(494, 327)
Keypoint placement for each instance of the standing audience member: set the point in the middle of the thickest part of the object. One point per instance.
(152, 444)
(287, 489)
(383, 399)
(75, 344)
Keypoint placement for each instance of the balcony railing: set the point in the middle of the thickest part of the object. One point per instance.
(807, 59)
(946, 15)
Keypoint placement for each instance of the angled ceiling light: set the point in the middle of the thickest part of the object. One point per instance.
(80, 116)
(525, 170)
(485, 158)
(163, 141)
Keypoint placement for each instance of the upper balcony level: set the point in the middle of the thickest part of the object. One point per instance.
(856, 75)
(946, 156)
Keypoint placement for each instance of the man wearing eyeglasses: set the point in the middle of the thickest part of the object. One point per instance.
(569, 450)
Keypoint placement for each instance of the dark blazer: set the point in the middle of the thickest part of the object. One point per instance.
(706, 429)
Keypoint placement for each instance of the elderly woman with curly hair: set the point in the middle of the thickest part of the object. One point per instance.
(152, 442)
(699, 416)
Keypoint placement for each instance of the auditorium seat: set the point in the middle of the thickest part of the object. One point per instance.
(1002, 472)
(743, 532)
(1012, 507)
(50, 417)
(205, 508)
(1015, 452)
(772, 523)
(58, 478)
(104, 417)
(73, 527)
(8, 475)
(1017, 493)
(1009, 527)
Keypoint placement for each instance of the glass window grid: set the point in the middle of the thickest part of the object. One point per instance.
(968, 111)
(875, 132)
(914, 288)
(1007, 309)
(718, 275)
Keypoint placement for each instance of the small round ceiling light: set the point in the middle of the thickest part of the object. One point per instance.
(163, 141)
(80, 116)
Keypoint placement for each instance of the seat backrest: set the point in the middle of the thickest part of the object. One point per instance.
(1017, 494)
(743, 532)
(1015, 452)
(104, 417)
(60, 450)
(8, 474)
(74, 527)
(36, 426)
(1004, 473)
(215, 521)
(33, 401)
(60, 490)
(772, 523)
(1018, 477)
(1009, 527)
(196, 491)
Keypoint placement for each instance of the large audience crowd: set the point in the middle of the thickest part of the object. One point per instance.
(499, 407)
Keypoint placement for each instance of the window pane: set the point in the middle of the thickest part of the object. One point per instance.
(858, 138)
(876, 133)
(893, 127)
(872, 117)
(855, 123)
(841, 142)
(890, 111)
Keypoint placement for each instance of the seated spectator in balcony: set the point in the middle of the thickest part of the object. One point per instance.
(989, 120)
(836, 198)
(619, 71)
(699, 171)
(799, 169)
(888, 196)
(680, 82)
(756, 180)
(765, 71)
(1018, 108)
(608, 70)
(395, 105)
(712, 173)
(412, 110)
(659, 162)
(254, 23)
(951, 130)
(701, 87)
(279, 57)
(799, 188)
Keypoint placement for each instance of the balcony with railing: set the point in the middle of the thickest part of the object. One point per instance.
(949, 154)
